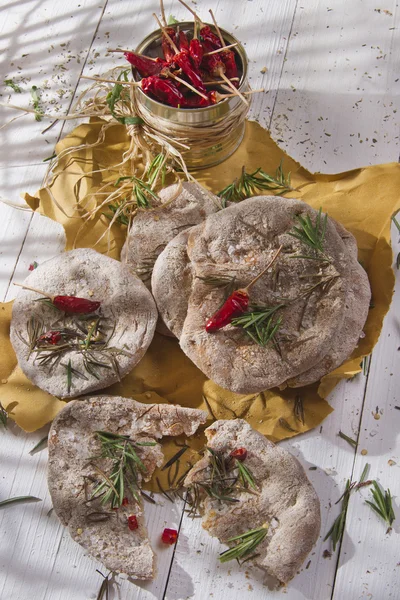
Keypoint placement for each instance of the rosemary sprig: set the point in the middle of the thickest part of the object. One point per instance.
(246, 544)
(19, 499)
(311, 235)
(245, 475)
(125, 468)
(337, 529)
(260, 323)
(3, 416)
(347, 438)
(382, 503)
(249, 184)
(224, 479)
(104, 588)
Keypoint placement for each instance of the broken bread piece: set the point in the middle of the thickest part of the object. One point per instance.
(100, 451)
(249, 489)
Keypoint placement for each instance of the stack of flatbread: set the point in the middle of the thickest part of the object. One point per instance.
(320, 297)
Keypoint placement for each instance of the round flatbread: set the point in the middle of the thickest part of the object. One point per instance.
(284, 501)
(358, 297)
(239, 242)
(171, 283)
(76, 469)
(86, 352)
(151, 230)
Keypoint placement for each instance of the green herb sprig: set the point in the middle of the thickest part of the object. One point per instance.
(311, 235)
(249, 184)
(348, 439)
(125, 469)
(382, 503)
(246, 545)
(260, 324)
(10, 83)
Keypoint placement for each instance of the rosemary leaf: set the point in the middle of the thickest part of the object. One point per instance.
(175, 458)
(364, 473)
(104, 588)
(39, 446)
(382, 503)
(69, 376)
(299, 409)
(19, 499)
(311, 235)
(245, 475)
(395, 221)
(283, 423)
(348, 439)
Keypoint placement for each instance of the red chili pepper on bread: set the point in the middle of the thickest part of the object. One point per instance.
(236, 304)
(69, 304)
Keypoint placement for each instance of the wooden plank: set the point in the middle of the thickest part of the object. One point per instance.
(339, 96)
(45, 44)
(369, 562)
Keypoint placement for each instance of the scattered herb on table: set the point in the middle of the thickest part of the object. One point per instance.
(36, 102)
(246, 544)
(347, 438)
(104, 588)
(18, 500)
(10, 83)
(249, 184)
(41, 445)
(337, 529)
(175, 458)
(382, 504)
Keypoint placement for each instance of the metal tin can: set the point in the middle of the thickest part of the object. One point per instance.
(199, 156)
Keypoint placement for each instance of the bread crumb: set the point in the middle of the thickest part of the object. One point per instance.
(79, 531)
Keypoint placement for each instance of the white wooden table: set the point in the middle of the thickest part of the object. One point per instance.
(333, 102)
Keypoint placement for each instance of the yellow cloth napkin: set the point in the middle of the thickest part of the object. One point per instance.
(363, 200)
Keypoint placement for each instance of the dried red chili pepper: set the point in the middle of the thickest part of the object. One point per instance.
(50, 337)
(145, 65)
(167, 49)
(74, 305)
(183, 41)
(182, 59)
(196, 52)
(228, 58)
(210, 37)
(69, 304)
(213, 65)
(237, 303)
(163, 90)
(199, 101)
(133, 522)
(239, 454)
(169, 536)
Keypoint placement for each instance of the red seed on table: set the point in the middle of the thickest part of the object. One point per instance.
(125, 501)
(132, 522)
(169, 536)
(239, 454)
